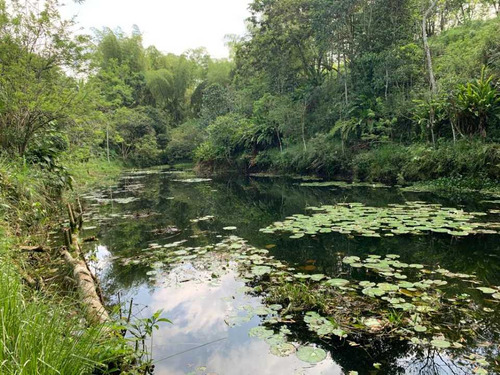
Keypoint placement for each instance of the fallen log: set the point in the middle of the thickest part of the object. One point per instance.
(86, 283)
(94, 309)
(34, 249)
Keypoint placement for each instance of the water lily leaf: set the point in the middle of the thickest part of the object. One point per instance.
(373, 292)
(417, 266)
(372, 323)
(311, 354)
(262, 310)
(282, 349)
(388, 287)
(337, 282)
(261, 270)
(351, 259)
(425, 309)
(260, 332)
(317, 277)
(486, 290)
(419, 328)
(302, 276)
(442, 344)
(366, 284)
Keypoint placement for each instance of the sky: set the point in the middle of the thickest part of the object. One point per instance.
(171, 25)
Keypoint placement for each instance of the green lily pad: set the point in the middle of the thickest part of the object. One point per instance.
(373, 292)
(441, 344)
(351, 259)
(337, 282)
(311, 354)
(302, 276)
(486, 290)
(317, 277)
(261, 270)
(419, 328)
(260, 332)
(282, 349)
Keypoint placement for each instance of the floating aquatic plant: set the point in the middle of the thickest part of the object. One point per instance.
(395, 219)
(342, 184)
(311, 354)
(192, 180)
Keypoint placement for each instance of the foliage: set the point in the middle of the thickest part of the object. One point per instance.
(477, 102)
(225, 137)
(37, 336)
(184, 140)
(35, 94)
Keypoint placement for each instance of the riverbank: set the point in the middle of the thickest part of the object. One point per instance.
(39, 305)
(467, 165)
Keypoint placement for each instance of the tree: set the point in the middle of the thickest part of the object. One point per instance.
(38, 50)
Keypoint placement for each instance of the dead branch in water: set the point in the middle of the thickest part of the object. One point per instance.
(86, 283)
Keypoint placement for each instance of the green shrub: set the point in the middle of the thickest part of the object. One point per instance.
(146, 152)
(323, 155)
(382, 164)
(471, 158)
(225, 139)
(184, 140)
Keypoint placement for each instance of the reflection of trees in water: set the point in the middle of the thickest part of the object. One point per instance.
(253, 204)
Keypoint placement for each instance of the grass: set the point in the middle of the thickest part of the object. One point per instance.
(93, 172)
(41, 332)
(297, 297)
(471, 161)
(37, 335)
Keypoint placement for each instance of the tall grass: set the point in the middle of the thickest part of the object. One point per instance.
(25, 198)
(43, 333)
(93, 172)
(38, 336)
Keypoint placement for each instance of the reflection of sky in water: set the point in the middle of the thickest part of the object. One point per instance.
(199, 307)
(200, 335)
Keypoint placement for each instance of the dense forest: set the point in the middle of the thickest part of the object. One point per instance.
(391, 91)
(379, 90)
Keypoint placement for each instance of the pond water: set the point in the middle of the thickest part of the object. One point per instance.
(195, 249)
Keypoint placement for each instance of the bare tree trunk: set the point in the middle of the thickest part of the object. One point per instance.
(453, 131)
(304, 108)
(279, 139)
(345, 81)
(386, 82)
(432, 79)
(107, 140)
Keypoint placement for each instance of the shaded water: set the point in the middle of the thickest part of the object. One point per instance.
(201, 295)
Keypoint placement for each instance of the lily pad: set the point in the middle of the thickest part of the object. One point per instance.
(311, 354)
(282, 349)
(441, 344)
(260, 332)
(261, 270)
(486, 290)
(419, 328)
(317, 277)
(337, 282)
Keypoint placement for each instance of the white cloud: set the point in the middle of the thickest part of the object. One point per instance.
(170, 25)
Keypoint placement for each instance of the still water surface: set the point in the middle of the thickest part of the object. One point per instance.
(146, 210)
